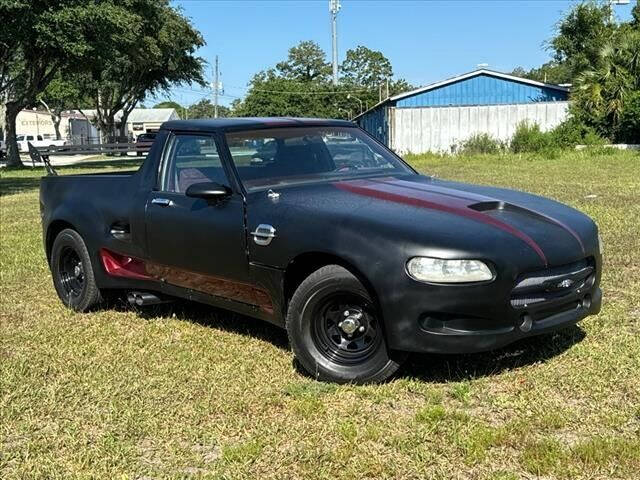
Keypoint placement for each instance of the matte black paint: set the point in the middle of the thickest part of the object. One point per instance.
(372, 236)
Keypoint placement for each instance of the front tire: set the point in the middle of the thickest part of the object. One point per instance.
(72, 272)
(336, 332)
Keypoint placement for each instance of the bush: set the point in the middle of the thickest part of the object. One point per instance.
(573, 132)
(481, 143)
(529, 138)
(629, 129)
(568, 134)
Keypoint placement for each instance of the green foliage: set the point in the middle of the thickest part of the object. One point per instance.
(481, 143)
(160, 54)
(529, 138)
(365, 67)
(205, 109)
(581, 35)
(39, 39)
(573, 132)
(169, 104)
(550, 72)
(306, 63)
(300, 87)
(629, 127)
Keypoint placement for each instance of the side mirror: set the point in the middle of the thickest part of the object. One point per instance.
(208, 191)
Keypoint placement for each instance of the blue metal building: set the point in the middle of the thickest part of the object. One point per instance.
(478, 88)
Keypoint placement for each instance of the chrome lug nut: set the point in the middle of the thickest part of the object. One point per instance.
(361, 329)
(346, 313)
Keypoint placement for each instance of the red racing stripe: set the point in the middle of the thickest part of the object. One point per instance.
(478, 198)
(454, 205)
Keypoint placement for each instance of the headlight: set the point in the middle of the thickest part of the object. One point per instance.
(437, 270)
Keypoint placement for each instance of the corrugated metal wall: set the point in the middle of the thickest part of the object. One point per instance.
(440, 129)
(375, 122)
(483, 90)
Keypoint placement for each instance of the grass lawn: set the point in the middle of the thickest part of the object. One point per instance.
(184, 391)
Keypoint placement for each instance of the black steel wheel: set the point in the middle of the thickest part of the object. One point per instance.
(346, 329)
(72, 272)
(335, 330)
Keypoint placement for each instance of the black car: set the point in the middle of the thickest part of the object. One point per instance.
(332, 236)
(144, 141)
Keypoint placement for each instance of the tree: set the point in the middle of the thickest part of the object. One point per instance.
(39, 38)
(182, 111)
(306, 63)
(205, 109)
(364, 67)
(169, 104)
(604, 92)
(60, 95)
(580, 37)
(550, 72)
(300, 87)
(161, 53)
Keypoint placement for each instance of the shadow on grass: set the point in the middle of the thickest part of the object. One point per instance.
(13, 185)
(455, 368)
(209, 316)
(425, 367)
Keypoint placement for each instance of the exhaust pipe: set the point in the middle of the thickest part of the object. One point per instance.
(142, 299)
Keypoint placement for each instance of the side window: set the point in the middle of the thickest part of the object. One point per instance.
(40, 137)
(190, 159)
(20, 138)
(30, 138)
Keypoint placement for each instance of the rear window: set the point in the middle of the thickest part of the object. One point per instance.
(278, 156)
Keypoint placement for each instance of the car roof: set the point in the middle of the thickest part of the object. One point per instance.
(251, 123)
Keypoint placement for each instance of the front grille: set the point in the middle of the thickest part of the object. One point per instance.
(551, 284)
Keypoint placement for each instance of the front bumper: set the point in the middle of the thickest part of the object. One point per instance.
(454, 340)
(475, 318)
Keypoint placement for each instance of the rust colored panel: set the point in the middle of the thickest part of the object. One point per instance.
(220, 287)
(119, 265)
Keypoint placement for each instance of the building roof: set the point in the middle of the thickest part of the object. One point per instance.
(144, 115)
(247, 123)
(152, 115)
(465, 76)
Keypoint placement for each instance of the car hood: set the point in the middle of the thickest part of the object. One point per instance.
(464, 218)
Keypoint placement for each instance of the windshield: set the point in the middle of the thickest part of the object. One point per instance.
(284, 156)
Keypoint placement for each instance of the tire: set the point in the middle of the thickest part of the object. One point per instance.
(326, 347)
(72, 272)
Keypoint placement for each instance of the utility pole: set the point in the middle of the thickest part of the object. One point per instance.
(334, 8)
(216, 84)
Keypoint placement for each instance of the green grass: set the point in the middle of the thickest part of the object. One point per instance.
(184, 391)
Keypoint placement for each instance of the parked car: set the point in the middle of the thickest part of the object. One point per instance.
(144, 142)
(37, 141)
(361, 261)
(3, 148)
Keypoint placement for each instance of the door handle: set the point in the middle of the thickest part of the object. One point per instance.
(163, 202)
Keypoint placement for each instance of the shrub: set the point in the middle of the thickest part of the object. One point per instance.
(480, 143)
(629, 129)
(529, 138)
(573, 132)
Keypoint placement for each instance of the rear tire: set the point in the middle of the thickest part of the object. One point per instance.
(72, 272)
(336, 332)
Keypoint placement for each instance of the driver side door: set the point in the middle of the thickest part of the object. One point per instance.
(193, 242)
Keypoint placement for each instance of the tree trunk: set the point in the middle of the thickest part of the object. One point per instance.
(56, 119)
(13, 156)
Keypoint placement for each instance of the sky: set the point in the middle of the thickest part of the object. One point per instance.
(426, 41)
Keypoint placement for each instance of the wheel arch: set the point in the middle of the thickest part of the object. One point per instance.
(53, 230)
(303, 265)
